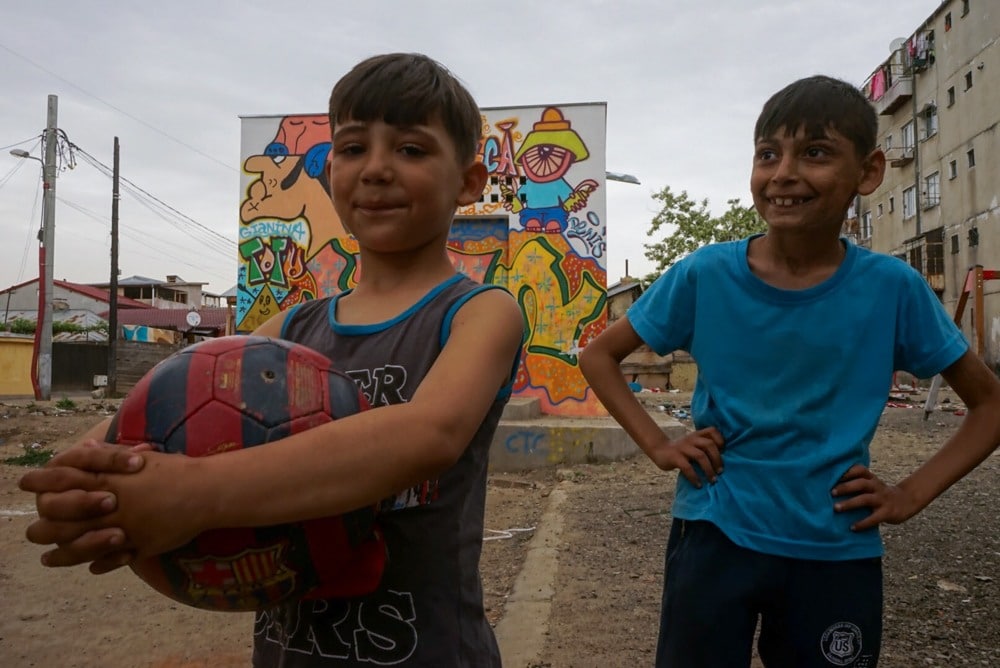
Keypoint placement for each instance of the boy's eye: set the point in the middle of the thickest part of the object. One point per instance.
(412, 150)
(765, 154)
(348, 149)
(816, 152)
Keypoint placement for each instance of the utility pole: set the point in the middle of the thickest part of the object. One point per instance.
(113, 287)
(47, 253)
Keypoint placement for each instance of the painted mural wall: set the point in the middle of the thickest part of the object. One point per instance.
(539, 230)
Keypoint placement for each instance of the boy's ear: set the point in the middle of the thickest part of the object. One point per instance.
(473, 182)
(873, 170)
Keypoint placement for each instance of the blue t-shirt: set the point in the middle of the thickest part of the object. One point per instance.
(795, 381)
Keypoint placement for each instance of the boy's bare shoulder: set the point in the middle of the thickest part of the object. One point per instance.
(489, 307)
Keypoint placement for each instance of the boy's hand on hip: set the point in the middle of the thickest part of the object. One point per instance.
(702, 448)
(889, 503)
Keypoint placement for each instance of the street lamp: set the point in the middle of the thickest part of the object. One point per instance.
(624, 178)
(41, 369)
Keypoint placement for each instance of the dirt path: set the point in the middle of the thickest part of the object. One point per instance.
(942, 568)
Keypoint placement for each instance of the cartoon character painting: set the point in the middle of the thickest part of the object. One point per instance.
(545, 199)
(292, 183)
(539, 230)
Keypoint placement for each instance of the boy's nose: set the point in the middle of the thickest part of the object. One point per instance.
(786, 169)
(378, 166)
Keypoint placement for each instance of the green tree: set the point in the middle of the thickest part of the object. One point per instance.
(691, 226)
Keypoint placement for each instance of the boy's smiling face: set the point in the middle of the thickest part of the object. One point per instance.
(396, 188)
(801, 182)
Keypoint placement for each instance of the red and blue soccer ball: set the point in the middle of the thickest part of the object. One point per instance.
(238, 392)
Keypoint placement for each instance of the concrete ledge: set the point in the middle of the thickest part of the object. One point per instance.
(549, 441)
(522, 409)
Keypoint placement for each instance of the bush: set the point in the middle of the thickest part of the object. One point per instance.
(21, 326)
(25, 326)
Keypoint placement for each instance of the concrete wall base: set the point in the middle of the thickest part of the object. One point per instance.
(523, 443)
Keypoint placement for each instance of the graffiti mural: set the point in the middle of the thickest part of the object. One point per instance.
(539, 230)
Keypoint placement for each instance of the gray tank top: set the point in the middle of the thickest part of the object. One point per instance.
(428, 610)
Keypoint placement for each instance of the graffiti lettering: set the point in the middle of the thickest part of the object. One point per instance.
(277, 263)
(525, 442)
(589, 232)
(275, 228)
(498, 152)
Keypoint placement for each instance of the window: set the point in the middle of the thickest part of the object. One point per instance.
(965, 7)
(951, 96)
(917, 258)
(880, 209)
(888, 142)
(866, 225)
(947, 22)
(930, 121)
(908, 136)
(954, 244)
(932, 190)
(970, 156)
(892, 204)
(973, 236)
(968, 80)
(934, 254)
(909, 203)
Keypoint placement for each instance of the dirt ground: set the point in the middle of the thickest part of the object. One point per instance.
(942, 568)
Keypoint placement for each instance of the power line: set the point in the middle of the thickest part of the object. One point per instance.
(119, 110)
(4, 148)
(211, 240)
(67, 153)
(162, 209)
(142, 240)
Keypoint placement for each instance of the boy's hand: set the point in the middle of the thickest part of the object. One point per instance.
(889, 503)
(702, 447)
(71, 486)
(72, 495)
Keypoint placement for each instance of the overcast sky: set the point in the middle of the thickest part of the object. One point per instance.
(683, 81)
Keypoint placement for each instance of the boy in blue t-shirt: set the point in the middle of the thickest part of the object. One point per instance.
(796, 333)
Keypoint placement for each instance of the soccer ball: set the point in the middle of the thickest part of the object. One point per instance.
(237, 392)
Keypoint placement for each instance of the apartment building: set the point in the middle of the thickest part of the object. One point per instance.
(938, 99)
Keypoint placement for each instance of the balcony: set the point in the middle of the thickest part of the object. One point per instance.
(899, 92)
(900, 157)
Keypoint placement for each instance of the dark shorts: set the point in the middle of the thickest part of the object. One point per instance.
(812, 613)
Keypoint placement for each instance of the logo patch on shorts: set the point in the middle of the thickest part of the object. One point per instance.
(841, 643)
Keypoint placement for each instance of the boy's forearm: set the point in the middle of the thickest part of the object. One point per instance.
(606, 379)
(976, 438)
(313, 474)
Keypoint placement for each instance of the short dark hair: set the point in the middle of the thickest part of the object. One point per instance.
(409, 89)
(817, 103)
